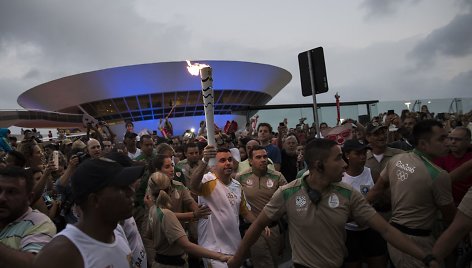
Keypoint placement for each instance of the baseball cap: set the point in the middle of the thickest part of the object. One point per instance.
(95, 174)
(67, 141)
(373, 127)
(130, 135)
(78, 144)
(354, 145)
(120, 158)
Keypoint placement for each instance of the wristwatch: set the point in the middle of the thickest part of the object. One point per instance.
(428, 259)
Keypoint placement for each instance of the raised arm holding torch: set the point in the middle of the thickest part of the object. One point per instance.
(205, 73)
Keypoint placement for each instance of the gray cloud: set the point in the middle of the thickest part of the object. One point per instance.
(378, 72)
(454, 39)
(109, 39)
(380, 8)
(31, 74)
(69, 37)
(462, 84)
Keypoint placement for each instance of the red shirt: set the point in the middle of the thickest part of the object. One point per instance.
(449, 163)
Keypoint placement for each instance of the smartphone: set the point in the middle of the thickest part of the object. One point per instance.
(390, 111)
(55, 158)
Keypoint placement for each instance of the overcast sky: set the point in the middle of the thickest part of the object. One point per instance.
(374, 49)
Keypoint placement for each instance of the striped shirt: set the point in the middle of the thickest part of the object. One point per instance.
(28, 233)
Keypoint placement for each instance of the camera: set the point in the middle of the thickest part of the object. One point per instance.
(82, 156)
(47, 200)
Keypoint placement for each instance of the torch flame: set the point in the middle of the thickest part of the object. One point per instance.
(194, 69)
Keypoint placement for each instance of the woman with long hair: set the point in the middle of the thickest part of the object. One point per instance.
(170, 241)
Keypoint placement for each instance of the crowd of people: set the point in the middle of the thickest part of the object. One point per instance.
(393, 192)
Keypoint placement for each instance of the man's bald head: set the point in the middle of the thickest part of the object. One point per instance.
(94, 148)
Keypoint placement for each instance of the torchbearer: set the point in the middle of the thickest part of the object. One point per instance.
(206, 77)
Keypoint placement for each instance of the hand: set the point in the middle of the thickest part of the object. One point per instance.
(50, 167)
(267, 231)
(209, 152)
(202, 212)
(74, 161)
(224, 257)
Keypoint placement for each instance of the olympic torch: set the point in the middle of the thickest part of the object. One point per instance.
(206, 77)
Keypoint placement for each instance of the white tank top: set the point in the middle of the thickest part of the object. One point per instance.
(98, 254)
(135, 242)
(361, 183)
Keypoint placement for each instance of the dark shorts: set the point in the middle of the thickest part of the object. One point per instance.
(364, 244)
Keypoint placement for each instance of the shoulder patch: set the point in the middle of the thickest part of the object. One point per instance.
(344, 191)
(273, 174)
(181, 163)
(244, 176)
(178, 185)
(292, 189)
(433, 170)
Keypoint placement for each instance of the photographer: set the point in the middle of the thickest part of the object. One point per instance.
(64, 190)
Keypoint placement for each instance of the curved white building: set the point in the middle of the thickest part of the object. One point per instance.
(146, 93)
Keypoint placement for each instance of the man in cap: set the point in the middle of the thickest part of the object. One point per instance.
(78, 145)
(380, 153)
(377, 158)
(103, 190)
(363, 243)
(130, 142)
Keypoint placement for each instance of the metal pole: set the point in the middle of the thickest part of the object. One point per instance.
(312, 83)
(368, 111)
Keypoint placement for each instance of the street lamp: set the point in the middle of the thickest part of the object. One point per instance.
(408, 105)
